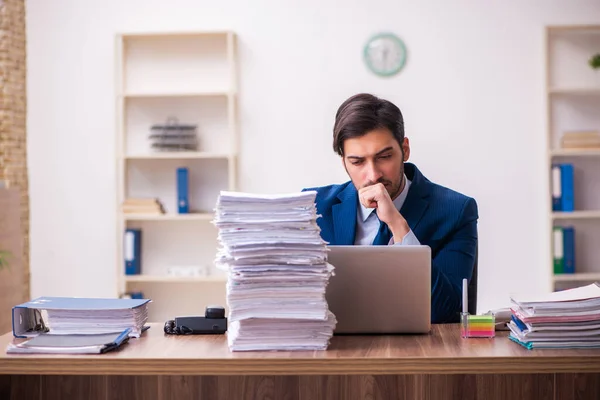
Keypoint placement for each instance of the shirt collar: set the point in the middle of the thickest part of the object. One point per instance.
(365, 212)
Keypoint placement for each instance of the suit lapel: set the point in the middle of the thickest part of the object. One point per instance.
(416, 202)
(344, 216)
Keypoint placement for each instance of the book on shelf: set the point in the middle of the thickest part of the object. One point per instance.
(580, 140)
(563, 249)
(142, 206)
(563, 192)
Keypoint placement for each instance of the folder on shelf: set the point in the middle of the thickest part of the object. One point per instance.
(182, 191)
(46, 343)
(133, 251)
(567, 190)
(556, 188)
(569, 249)
(79, 315)
(558, 250)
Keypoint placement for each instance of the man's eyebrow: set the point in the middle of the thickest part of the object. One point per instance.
(380, 152)
(384, 150)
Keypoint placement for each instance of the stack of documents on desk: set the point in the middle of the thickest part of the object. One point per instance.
(77, 315)
(70, 344)
(277, 272)
(564, 319)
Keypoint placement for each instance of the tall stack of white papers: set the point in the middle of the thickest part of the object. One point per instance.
(277, 271)
(564, 319)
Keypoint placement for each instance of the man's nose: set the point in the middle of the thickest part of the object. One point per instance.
(373, 173)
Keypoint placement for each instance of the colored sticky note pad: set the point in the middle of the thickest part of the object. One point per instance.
(478, 326)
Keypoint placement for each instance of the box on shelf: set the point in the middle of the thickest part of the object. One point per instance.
(173, 136)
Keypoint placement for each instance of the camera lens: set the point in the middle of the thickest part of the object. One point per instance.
(215, 312)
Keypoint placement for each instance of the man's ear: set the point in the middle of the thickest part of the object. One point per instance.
(406, 149)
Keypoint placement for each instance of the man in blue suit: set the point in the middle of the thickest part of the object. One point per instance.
(388, 201)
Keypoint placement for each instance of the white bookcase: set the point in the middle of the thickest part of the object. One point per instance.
(190, 76)
(573, 101)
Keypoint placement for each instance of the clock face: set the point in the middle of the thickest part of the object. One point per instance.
(385, 54)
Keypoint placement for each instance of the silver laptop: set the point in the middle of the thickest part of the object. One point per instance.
(380, 289)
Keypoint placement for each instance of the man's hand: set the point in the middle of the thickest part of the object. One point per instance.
(377, 196)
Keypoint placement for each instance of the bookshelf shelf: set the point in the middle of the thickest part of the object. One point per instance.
(576, 215)
(175, 34)
(573, 153)
(169, 217)
(575, 91)
(186, 78)
(175, 279)
(179, 94)
(183, 155)
(578, 277)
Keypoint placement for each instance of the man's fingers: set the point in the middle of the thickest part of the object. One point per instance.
(368, 200)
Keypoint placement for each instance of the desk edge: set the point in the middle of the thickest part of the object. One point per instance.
(258, 366)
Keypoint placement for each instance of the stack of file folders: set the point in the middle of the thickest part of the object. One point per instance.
(80, 316)
(70, 344)
(564, 319)
(277, 272)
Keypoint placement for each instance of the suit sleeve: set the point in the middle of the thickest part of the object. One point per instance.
(453, 262)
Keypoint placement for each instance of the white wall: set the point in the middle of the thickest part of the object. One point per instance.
(472, 94)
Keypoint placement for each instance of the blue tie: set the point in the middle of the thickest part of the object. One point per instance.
(383, 235)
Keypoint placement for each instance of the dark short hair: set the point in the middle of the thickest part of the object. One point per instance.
(363, 113)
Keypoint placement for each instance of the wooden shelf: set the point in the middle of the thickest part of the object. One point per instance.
(575, 152)
(576, 215)
(150, 34)
(169, 217)
(575, 91)
(178, 155)
(595, 29)
(179, 94)
(577, 277)
(174, 279)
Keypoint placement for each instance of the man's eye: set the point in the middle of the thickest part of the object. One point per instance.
(356, 162)
(385, 157)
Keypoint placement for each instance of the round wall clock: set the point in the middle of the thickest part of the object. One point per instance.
(385, 54)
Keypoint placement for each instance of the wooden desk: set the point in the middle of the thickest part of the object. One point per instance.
(440, 365)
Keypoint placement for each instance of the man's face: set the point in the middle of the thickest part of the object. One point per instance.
(376, 157)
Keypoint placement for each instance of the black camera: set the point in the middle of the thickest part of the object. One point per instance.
(213, 322)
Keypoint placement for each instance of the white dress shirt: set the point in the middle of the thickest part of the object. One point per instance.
(367, 223)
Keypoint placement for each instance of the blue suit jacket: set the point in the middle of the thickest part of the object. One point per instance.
(440, 218)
